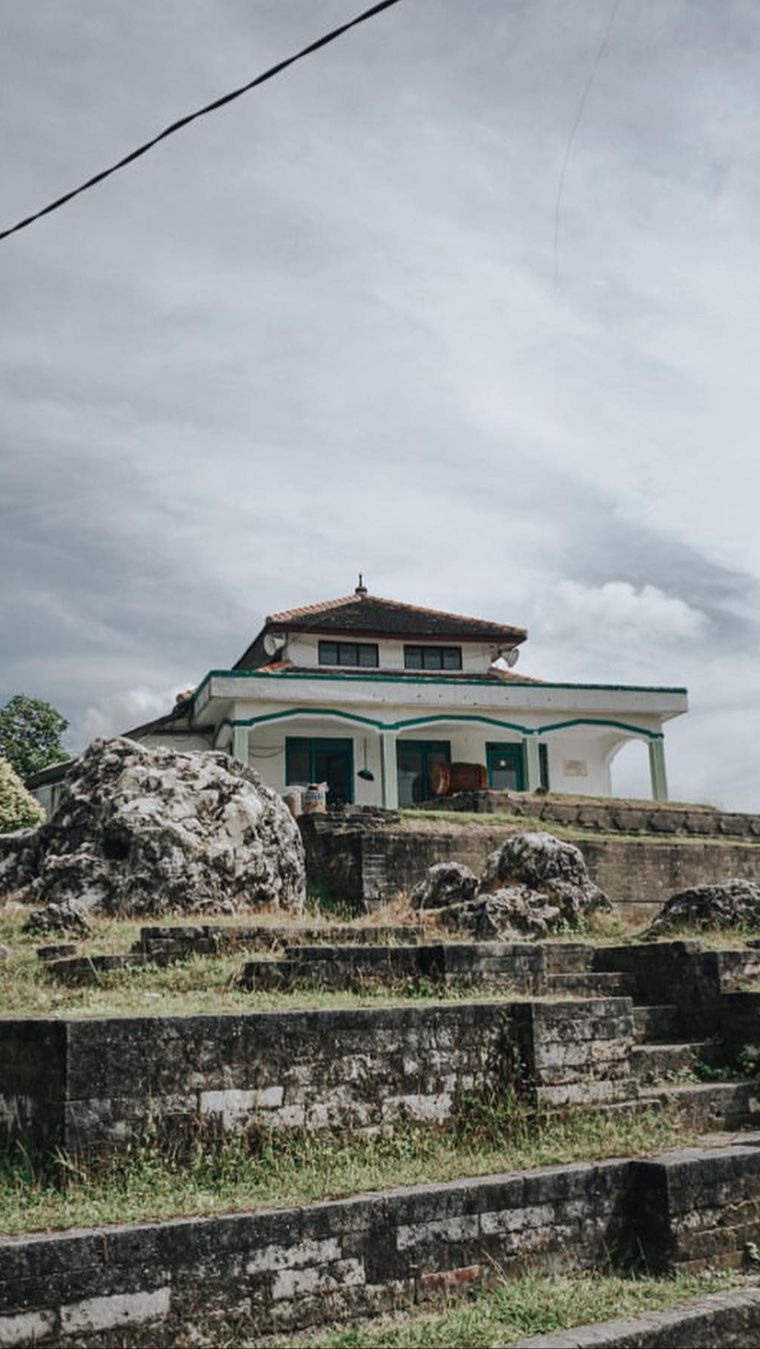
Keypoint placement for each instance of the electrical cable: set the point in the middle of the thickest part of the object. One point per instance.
(200, 112)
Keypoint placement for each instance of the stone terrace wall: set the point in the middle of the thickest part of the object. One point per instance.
(108, 1080)
(614, 816)
(282, 1271)
(364, 864)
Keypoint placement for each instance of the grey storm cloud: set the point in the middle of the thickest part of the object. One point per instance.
(320, 332)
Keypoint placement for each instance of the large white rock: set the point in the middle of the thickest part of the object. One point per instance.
(142, 830)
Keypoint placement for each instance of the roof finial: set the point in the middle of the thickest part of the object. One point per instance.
(361, 589)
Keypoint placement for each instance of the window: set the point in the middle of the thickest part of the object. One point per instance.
(363, 654)
(432, 657)
(321, 759)
(415, 759)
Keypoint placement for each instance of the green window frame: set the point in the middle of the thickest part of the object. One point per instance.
(364, 655)
(306, 749)
(515, 749)
(432, 657)
(428, 751)
(512, 750)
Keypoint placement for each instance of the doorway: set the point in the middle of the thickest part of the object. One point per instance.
(506, 767)
(414, 761)
(322, 759)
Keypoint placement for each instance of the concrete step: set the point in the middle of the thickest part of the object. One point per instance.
(584, 985)
(653, 1063)
(656, 1023)
(711, 1106)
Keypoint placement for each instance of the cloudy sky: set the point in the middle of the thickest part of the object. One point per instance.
(328, 329)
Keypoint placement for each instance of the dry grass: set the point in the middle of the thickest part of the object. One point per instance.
(534, 1304)
(202, 984)
(282, 1167)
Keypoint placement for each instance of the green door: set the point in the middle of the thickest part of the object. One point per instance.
(506, 766)
(322, 759)
(414, 760)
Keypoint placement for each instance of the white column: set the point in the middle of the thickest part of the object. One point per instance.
(389, 769)
(657, 772)
(532, 763)
(239, 746)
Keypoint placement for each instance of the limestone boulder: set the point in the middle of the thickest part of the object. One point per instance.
(513, 913)
(553, 870)
(444, 884)
(732, 904)
(147, 831)
(532, 886)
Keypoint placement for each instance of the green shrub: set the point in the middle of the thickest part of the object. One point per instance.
(18, 808)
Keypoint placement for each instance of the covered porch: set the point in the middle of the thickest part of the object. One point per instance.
(368, 761)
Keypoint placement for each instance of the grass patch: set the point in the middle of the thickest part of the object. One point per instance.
(266, 1167)
(533, 1304)
(202, 984)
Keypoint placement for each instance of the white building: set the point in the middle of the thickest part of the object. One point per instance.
(370, 695)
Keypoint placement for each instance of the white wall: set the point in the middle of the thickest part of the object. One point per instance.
(303, 650)
(578, 759)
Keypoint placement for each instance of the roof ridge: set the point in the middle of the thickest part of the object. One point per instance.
(326, 605)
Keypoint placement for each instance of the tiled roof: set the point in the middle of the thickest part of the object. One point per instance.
(374, 614)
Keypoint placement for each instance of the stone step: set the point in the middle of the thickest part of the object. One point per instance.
(590, 985)
(658, 1022)
(567, 957)
(711, 1106)
(653, 1063)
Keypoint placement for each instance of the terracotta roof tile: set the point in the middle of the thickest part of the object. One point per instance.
(373, 613)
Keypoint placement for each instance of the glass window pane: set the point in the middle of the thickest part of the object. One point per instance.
(346, 653)
(431, 656)
(328, 653)
(367, 655)
(413, 657)
(297, 763)
(452, 658)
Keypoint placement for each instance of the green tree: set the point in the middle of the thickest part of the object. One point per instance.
(18, 808)
(30, 734)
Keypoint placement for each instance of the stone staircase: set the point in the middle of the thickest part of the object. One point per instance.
(668, 1063)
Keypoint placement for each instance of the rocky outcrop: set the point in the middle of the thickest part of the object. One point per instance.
(533, 886)
(148, 831)
(734, 904)
(68, 917)
(443, 884)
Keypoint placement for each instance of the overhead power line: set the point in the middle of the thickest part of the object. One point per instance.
(200, 112)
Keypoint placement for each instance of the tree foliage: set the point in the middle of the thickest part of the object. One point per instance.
(30, 734)
(18, 808)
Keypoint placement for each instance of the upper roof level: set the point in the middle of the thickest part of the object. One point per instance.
(370, 632)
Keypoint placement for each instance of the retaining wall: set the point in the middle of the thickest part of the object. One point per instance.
(281, 1271)
(363, 865)
(95, 1084)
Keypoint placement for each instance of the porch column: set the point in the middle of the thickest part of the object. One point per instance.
(657, 769)
(389, 770)
(239, 747)
(532, 763)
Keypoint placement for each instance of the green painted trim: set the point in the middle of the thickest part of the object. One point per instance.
(438, 717)
(370, 678)
(494, 748)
